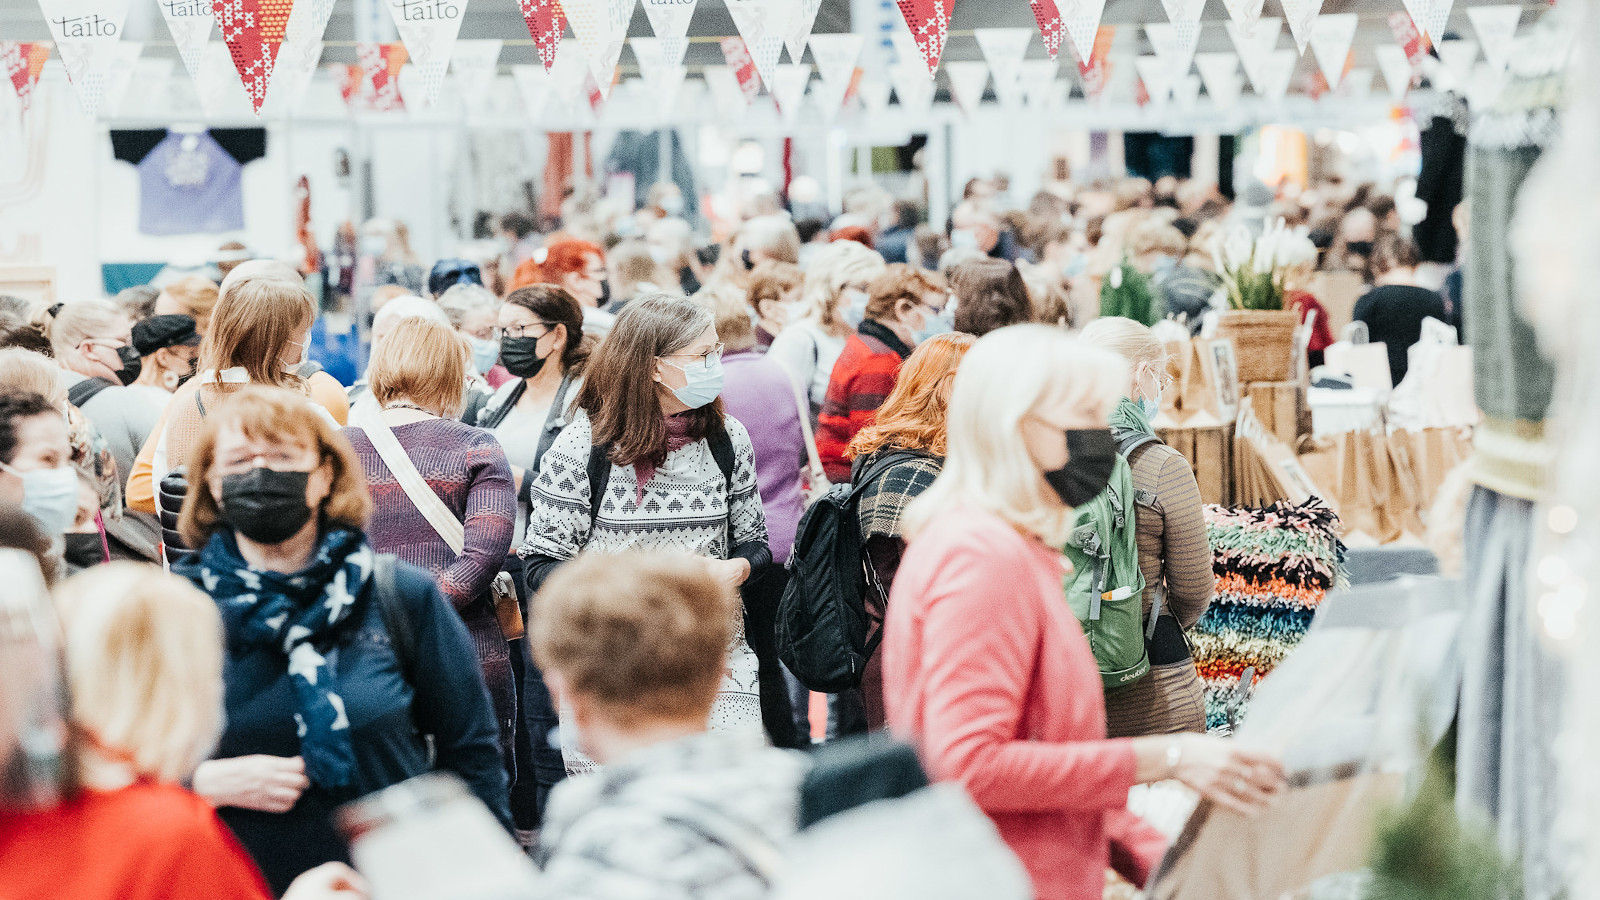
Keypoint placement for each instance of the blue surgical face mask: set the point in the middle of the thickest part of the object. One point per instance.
(1075, 266)
(934, 324)
(672, 204)
(857, 311)
(1150, 401)
(485, 352)
(50, 496)
(702, 384)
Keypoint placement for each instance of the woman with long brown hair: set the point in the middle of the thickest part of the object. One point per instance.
(651, 462)
(895, 459)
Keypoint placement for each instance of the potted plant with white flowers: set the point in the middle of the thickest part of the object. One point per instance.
(1253, 271)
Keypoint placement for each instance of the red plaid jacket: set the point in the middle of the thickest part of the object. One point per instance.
(861, 381)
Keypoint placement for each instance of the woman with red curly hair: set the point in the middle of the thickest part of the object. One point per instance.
(580, 268)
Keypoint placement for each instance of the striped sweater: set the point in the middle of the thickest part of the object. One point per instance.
(862, 379)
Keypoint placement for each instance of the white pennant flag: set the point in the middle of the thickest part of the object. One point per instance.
(669, 86)
(218, 87)
(1418, 11)
(788, 88)
(1497, 31)
(1004, 50)
(190, 22)
(534, 84)
(653, 54)
(1438, 19)
(669, 19)
(1456, 59)
(803, 14)
(1488, 80)
(1357, 84)
(912, 85)
(86, 32)
(291, 74)
(119, 74)
(412, 93)
(1255, 45)
(601, 27)
(1331, 37)
(1396, 69)
(967, 80)
(1243, 13)
(835, 56)
(762, 24)
(1186, 91)
(1216, 70)
(475, 64)
(1300, 14)
(1156, 73)
(828, 96)
(1276, 73)
(874, 94)
(1038, 76)
(1174, 46)
(570, 77)
(428, 28)
(1185, 18)
(726, 94)
(1081, 19)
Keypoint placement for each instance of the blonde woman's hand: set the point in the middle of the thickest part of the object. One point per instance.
(1231, 776)
(731, 572)
(266, 783)
(329, 881)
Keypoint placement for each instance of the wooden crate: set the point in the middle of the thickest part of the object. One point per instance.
(1209, 450)
(1277, 404)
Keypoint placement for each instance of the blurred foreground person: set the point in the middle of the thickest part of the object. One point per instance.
(986, 668)
(636, 646)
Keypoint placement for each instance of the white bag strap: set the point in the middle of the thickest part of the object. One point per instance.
(803, 407)
(369, 419)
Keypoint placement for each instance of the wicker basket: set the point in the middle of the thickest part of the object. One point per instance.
(1263, 341)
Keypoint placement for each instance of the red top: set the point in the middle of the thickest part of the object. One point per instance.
(862, 379)
(1304, 303)
(987, 671)
(148, 841)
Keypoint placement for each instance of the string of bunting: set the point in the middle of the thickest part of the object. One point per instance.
(268, 40)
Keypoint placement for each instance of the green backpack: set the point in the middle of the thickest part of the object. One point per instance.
(1106, 587)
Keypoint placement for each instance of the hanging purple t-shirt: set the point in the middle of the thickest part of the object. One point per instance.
(188, 182)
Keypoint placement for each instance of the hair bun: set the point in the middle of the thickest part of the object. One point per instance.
(55, 308)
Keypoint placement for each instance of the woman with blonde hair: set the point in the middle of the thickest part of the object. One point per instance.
(1174, 552)
(194, 296)
(346, 670)
(895, 459)
(833, 301)
(143, 662)
(986, 669)
(417, 378)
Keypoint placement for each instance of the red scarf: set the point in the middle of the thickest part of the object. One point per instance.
(677, 439)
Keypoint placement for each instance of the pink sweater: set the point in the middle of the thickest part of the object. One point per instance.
(988, 673)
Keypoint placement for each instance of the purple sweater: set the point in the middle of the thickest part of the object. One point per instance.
(467, 469)
(760, 394)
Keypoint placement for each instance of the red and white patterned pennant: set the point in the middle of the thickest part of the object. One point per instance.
(743, 67)
(253, 31)
(929, 21)
(21, 62)
(1048, 16)
(381, 63)
(546, 22)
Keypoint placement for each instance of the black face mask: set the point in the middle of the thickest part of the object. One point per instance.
(520, 356)
(1359, 248)
(194, 362)
(605, 293)
(1091, 458)
(131, 364)
(265, 506)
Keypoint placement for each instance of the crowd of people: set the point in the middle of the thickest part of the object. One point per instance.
(539, 543)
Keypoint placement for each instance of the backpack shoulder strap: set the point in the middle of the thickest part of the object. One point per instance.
(879, 468)
(722, 451)
(386, 591)
(85, 390)
(1133, 441)
(599, 474)
(499, 405)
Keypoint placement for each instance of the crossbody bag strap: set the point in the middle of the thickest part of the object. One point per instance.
(814, 459)
(370, 421)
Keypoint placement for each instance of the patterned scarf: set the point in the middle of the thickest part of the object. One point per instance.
(297, 613)
(1128, 419)
(677, 439)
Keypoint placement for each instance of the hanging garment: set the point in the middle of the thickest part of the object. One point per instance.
(190, 182)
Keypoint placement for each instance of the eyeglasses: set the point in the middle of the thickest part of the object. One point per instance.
(705, 359)
(516, 331)
(282, 459)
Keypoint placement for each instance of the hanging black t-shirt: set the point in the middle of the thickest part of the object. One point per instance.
(1394, 314)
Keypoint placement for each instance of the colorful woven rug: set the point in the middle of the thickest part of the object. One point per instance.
(1273, 566)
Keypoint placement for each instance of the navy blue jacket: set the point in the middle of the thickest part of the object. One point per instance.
(388, 719)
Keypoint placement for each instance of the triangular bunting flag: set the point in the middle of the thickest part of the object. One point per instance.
(20, 63)
(967, 81)
(570, 78)
(1156, 75)
(1048, 16)
(219, 88)
(1276, 73)
(1186, 91)
(1300, 14)
(296, 66)
(409, 83)
(1174, 45)
(929, 22)
(912, 85)
(1410, 39)
(1488, 80)
(1438, 19)
(1396, 69)
(1038, 76)
(726, 92)
(1092, 74)
(833, 96)
(85, 34)
(874, 94)
(789, 89)
(1456, 58)
(546, 23)
(669, 19)
(429, 29)
(761, 23)
(1254, 45)
(1357, 84)
(1331, 37)
(1004, 50)
(190, 22)
(1417, 10)
(349, 79)
(1216, 69)
(1082, 21)
(653, 54)
(1243, 13)
(803, 14)
(601, 27)
(835, 56)
(119, 74)
(381, 64)
(1497, 31)
(253, 31)
(475, 65)
(534, 84)
(1185, 18)
(743, 67)
(308, 21)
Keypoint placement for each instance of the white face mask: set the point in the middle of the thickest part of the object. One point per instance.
(50, 496)
(964, 239)
(661, 255)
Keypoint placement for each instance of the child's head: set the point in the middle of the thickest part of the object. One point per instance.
(633, 642)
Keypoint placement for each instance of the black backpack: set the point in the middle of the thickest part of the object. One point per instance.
(822, 618)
